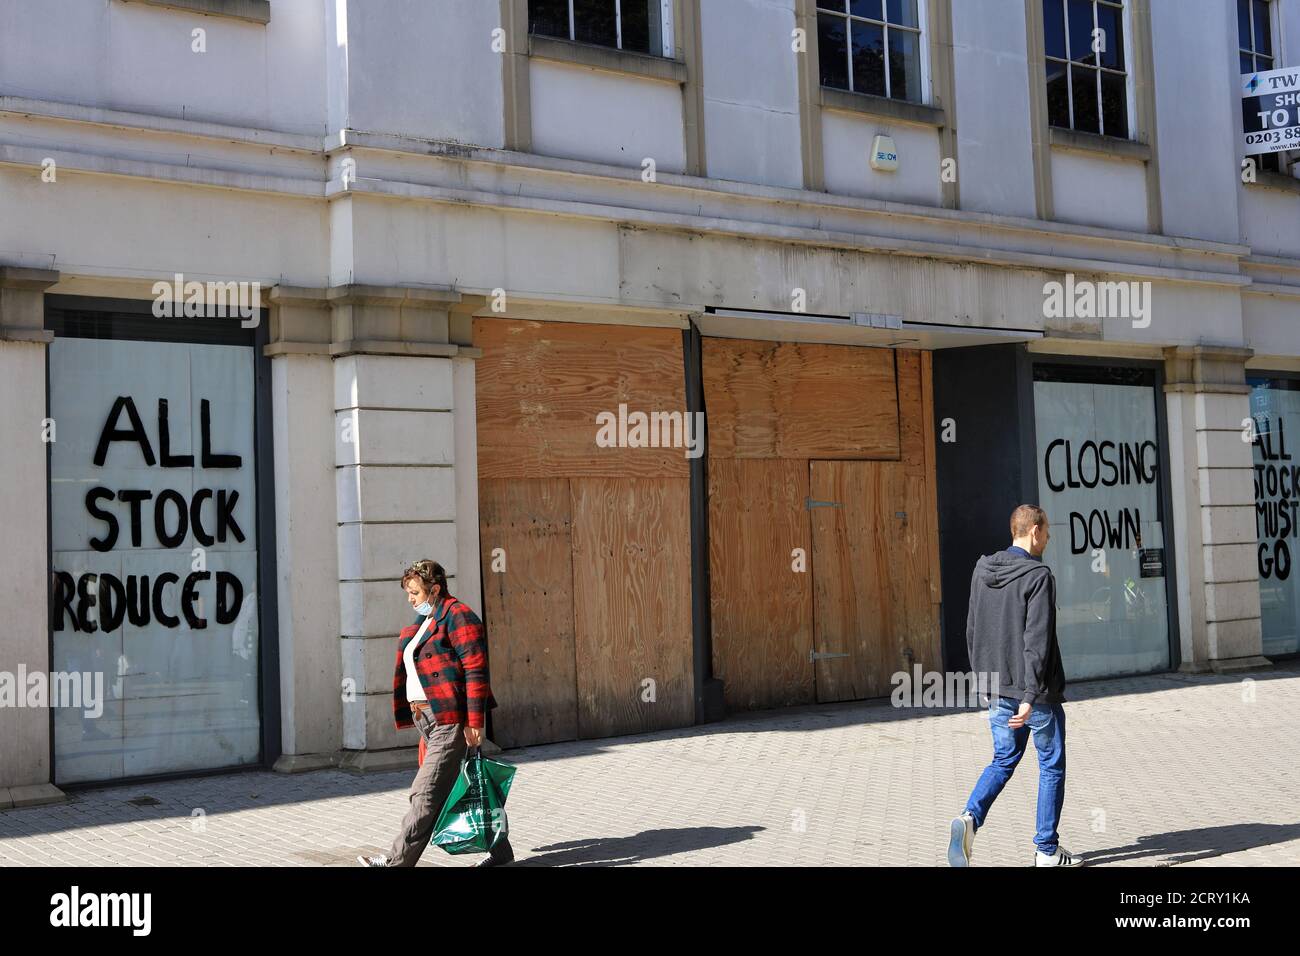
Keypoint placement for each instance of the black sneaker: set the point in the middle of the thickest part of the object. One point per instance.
(373, 860)
(495, 859)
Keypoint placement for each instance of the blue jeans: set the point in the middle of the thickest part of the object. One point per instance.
(1047, 722)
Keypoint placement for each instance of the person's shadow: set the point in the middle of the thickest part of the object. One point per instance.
(1188, 846)
(646, 845)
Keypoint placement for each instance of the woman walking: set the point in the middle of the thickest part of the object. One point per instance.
(441, 688)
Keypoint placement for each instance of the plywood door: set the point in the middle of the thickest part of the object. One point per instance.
(632, 604)
(761, 605)
(528, 593)
(854, 597)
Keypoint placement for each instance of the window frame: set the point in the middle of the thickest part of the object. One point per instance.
(921, 31)
(1130, 90)
(667, 41)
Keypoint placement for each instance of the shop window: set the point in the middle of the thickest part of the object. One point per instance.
(1100, 480)
(1275, 418)
(1087, 71)
(154, 540)
(638, 26)
(871, 46)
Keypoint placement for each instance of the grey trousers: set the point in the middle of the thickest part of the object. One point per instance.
(445, 751)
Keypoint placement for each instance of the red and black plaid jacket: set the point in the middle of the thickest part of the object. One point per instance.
(451, 662)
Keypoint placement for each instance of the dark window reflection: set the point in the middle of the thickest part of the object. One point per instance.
(595, 21)
(549, 18)
(1087, 117)
(1114, 104)
(832, 51)
(1110, 20)
(639, 34)
(868, 58)
(1081, 31)
(1054, 27)
(1058, 95)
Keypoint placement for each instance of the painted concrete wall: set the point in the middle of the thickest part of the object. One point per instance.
(995, 159)
(1198, 109)
(584, 113)
(846, 147)
(25, 742)
(1097, 191)
(425, 68)
(751, 116)
(130, 56)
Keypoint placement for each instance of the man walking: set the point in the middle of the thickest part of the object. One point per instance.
(1011, 637)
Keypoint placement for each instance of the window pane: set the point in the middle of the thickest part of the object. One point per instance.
(833, 51)
(1054, 27)
(1269, 161)
(1246, 65)
(594, 22)
(902, 12)
(868, 58)
(1243, 24)
(839, 6)
(904, 66)
(550, 18)
(1110, 21)
(1086, 116)
(1114, 105)
(641, 26)
(1263, 31)
(1081, 31)
(867, 8)
(1058, 95)
(1263, 64)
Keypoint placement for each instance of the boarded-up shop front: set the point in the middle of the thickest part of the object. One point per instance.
(823, 545)
(585, 544)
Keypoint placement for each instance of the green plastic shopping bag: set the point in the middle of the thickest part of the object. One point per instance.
(474, 817)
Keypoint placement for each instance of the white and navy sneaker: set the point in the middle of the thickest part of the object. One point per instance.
(373, 860)
(961, 840)
(1062, 857)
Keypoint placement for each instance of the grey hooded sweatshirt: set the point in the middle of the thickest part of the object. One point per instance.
(1011, 627)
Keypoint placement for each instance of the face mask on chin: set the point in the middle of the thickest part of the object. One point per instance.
(424, 609)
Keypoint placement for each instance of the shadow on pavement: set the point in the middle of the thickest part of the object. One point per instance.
(1188, 846)
(646, 845)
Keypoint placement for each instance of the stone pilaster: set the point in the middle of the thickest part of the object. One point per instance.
(1213, 502)
(25, 771)
(306, 529)
(396, 487)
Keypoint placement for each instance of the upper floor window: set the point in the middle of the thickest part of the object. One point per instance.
(635, 25)
(1255, 35)
(1256, 52)
(1087, 73)
(871, 46)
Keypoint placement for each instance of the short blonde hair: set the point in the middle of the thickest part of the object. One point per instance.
(1025, 518)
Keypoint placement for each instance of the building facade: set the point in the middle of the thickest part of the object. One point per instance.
(706, 343)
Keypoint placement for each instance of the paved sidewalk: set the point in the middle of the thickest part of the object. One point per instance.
(1162, 770)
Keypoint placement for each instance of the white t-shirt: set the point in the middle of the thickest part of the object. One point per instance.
(414, 689)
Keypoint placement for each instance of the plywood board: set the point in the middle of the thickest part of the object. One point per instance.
(911, 403)
(541, 385)
(790, 400)
(761, 606)
(632, 604)
(854, 599)
(529, 609)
